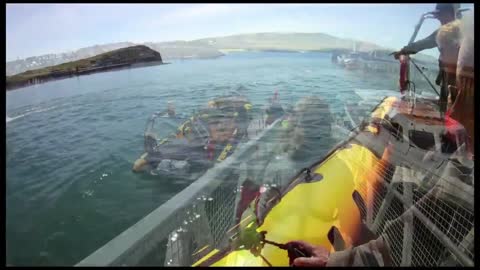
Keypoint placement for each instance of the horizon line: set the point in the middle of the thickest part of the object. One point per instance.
(190, 40)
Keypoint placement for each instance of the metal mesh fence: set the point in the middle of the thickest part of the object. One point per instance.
(394, 232)
(204, 225)
(428, 249)
(453, 220)
(220, 209)
(429, 220)
(208, 222)
(441, 225)
(395, 210)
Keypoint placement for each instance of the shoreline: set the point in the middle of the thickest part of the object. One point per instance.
(55, 77)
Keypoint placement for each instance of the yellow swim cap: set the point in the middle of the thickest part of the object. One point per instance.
(247, 106)
(285, 123)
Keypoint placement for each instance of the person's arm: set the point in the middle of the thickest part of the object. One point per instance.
(423, 44)
(374, 253)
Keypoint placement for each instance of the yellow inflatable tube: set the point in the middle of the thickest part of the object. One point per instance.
(309, 210)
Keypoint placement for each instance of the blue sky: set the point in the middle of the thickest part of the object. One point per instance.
(36, 29)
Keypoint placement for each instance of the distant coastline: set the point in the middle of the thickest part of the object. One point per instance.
(211, 48)
(86, 72)
(131, 57)
(102, 58)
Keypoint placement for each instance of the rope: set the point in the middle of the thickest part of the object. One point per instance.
(425, 76)
(414, 94)
(265, 260)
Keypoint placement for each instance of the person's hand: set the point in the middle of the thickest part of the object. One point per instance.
(403, 51)
(397, 54)
(319, 255)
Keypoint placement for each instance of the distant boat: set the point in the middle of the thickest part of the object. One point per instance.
(352, 61)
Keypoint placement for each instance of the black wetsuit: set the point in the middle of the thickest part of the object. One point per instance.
(274, 112)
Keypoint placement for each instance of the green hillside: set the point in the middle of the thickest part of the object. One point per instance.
(117, 58)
